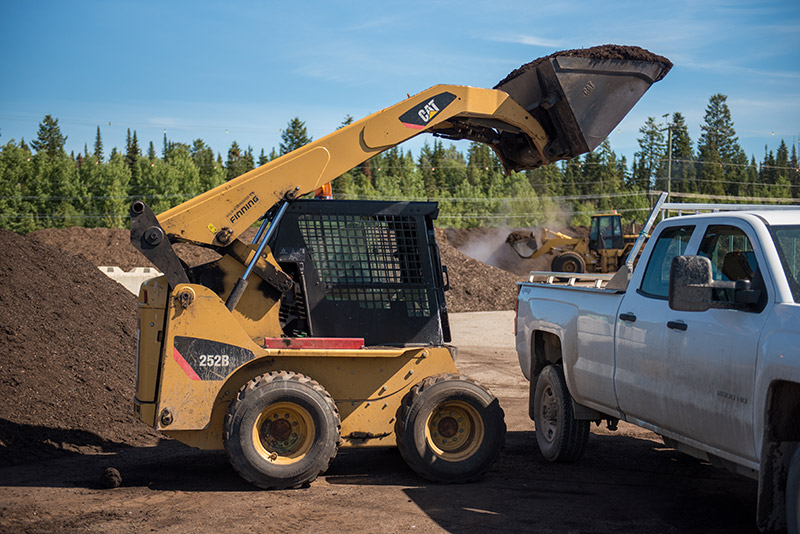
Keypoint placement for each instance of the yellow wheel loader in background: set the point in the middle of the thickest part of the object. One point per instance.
(604, 251)
(330, 329)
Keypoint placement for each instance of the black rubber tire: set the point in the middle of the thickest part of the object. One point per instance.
(569, 262)
(793, 495)
(561, 438)
(474, 415)
(275, 406)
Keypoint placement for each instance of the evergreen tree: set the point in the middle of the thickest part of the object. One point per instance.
(683, 166)
(722, 159)
(482, 166)
(132, 155)
(165, 148)
(211, 174)
(61, 190)
(248, 160)
(571, 176)
(294, 136)
(183, 172)
(347, 121)
(17, 211)
(782, 164)
(262, 158)
(431, 162)
(49, 139)
(236, 163)
(652, 149)
(98, 145)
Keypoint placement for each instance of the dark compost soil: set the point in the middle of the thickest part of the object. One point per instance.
(475, 286)
(609, 51)
(67, 350)
(68, 337)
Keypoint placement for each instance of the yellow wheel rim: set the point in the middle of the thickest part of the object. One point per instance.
(454, 430)
(284, 432)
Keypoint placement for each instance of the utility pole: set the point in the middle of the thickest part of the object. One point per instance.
(669, 156)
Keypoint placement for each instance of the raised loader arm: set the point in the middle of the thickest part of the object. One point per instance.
(223, 213)
(553, 108)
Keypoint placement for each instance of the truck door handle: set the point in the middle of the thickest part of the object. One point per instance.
(630, 317)
(677, 325)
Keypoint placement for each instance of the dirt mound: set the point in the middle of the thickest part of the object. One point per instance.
(67, 355)
(68, 337)
(112, 246)
(490, 246)
(491, 290)
(475, 286)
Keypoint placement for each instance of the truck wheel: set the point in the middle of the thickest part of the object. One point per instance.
(450, 429)
(282, 430)
(793, 495)
(560, 437)
(569, 262)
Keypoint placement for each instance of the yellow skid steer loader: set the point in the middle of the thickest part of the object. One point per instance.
(330, 329)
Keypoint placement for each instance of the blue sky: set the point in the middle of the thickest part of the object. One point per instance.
(238, 70)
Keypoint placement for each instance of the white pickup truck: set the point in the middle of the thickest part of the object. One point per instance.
(700, 343)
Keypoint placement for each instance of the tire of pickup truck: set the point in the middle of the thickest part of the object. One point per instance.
(561, 438)
(793, 495)
(450, 429)
(281, 431)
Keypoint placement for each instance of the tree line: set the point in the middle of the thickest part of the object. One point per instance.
(43, 186)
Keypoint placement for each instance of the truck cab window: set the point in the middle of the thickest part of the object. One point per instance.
(732, 258)
(670, 243)
(787, 241)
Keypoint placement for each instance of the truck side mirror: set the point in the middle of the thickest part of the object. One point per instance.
(690, 283)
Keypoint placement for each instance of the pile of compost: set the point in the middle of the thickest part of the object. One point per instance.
(68, 349)
(68, 337)
(475, 286)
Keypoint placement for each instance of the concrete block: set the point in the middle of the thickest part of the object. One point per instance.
(132, 279)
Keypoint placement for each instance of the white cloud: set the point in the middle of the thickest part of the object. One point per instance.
(528, 40)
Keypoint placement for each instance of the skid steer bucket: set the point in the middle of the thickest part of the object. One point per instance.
(579, 97)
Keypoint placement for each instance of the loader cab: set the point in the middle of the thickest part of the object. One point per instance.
(606, 232)
(363, 269)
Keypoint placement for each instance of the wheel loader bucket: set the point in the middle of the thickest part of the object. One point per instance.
(523, 243)
(579, 97)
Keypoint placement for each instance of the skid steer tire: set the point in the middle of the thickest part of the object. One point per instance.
(282, 430)
(450, 429)
(561, 438)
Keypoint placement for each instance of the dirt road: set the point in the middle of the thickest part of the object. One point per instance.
(627, 482)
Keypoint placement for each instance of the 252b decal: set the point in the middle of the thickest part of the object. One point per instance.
(202, 359)
(214, 360)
